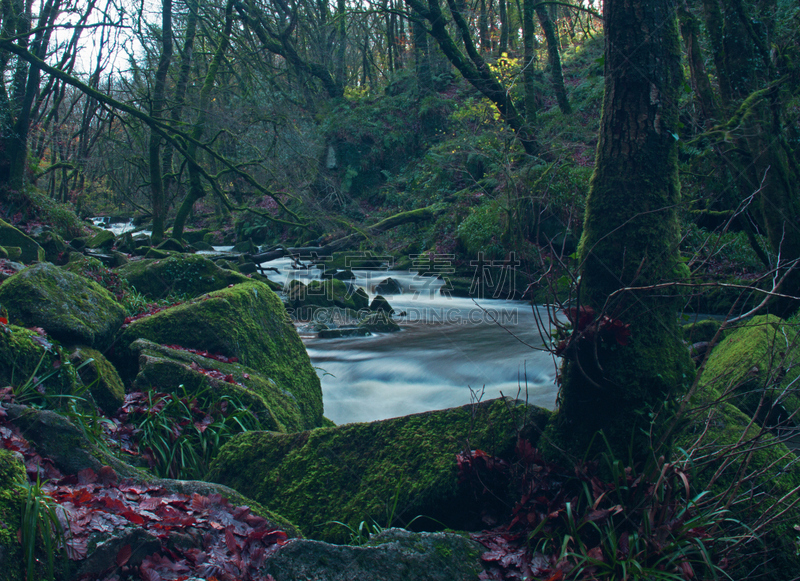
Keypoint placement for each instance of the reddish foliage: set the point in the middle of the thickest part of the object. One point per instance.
(231, 543)
(590, 327)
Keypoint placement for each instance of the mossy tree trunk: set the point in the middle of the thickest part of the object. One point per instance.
(553, 58)
(613, 381)
(755, 84)
(157, 197)
(196, 189)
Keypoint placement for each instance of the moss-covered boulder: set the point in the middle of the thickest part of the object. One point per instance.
(190, 274)
(757, 366)
(392, 555)
(165, 369)
(100, 377)
(32, 364)
(30, 250)
(394, 469)
(12, 474)
(326, 293)
(102, 240)
(247, 321)
(69, 307)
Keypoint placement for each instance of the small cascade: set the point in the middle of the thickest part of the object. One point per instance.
(450, 351)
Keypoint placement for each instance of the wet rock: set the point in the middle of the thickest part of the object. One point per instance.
(389, 286)
(344, 332)
(392, 555)
(380, 304)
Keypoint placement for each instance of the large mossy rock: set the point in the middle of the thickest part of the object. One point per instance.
(164, 369)
(69, 307)
(247, 321)
(32, 364)
(392, 555)
(358, 472)
(10, 236)
(191, 274)
(12, 501)
(756, 367)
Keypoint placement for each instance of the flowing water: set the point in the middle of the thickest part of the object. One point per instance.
(450, 350)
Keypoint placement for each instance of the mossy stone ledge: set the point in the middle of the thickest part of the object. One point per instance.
(246, 321)
(165, 369)
(356, 472)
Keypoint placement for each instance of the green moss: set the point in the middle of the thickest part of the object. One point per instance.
(247, 321)
(69, 307)
(27, 359)
(10, 236)
(191, 274)
(761, 472)
(12, 472)
(759, 360)
(100, 377)
(166, 369)
(355, 472)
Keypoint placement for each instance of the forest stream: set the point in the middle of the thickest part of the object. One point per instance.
(449, 352)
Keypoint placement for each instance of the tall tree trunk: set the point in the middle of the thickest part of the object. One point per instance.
(422, 57)
(553, 58)
(690, 30)
(529, 52)
(25, 90)
(503, 46)
(157, 197)
(483, 28)
(611, 380)
(180, 92)
(196, 190)
(341, 28)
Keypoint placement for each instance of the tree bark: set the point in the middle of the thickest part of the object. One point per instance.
(553, 58)
(612, 381)
(196, 190)
(157, 198)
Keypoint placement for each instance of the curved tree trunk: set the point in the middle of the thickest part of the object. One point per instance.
(619, 369)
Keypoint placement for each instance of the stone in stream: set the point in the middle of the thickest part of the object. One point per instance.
(388, 286)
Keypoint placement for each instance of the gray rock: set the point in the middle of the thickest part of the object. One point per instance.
(393, 555)
(389, 286)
